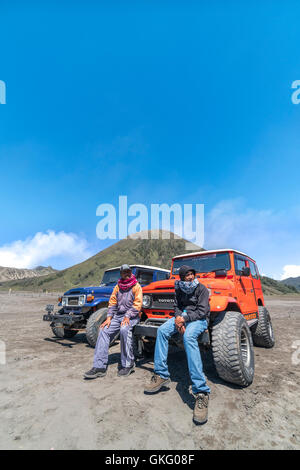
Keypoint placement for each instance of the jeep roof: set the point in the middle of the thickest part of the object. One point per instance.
(141, 266)
(207, 252)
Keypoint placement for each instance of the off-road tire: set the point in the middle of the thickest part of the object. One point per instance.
(232, 348)
(93, 325)
(262, 332)
(60, 332)
(135, 346)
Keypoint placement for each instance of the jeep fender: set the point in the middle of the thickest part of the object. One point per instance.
(101, 300)
(219, 303)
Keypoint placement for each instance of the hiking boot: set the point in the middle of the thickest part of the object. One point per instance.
(125, 371)
(94, 373)
(201, 408)
(156, 384)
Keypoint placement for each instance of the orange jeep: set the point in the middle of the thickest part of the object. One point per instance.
(238, 316)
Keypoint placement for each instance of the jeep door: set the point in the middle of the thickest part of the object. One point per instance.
(256, 280)
(244, 285)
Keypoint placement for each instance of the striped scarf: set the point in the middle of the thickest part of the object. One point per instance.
(126, 284)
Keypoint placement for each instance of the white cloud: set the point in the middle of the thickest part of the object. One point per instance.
(39, 249)
(290, 270)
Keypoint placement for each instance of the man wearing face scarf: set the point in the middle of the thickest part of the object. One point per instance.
(191, 306)
(124, 306)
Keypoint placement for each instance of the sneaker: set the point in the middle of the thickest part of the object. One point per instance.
(125, 371)
(201, 408)
(156, 384)
(94, 373)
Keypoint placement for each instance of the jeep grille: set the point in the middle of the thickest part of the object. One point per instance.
(72, 301)
(164, 301)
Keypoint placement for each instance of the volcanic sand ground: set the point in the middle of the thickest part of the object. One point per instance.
(46, 404)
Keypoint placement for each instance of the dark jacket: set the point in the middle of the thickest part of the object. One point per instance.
(196, 304)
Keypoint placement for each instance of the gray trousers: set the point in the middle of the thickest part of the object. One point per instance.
(105, 336)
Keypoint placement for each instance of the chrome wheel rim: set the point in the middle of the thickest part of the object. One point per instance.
(245, 347)
(270, 328)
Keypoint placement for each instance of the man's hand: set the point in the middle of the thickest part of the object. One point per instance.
(182, 329)
(106, 323)
(125, 322)
(179, 323)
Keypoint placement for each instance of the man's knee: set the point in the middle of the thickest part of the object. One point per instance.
(104, 334)
(124, 330)
(164, 330)
(103, 331)
(190, 336)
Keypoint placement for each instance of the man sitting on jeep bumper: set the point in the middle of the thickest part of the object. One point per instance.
(124, 307)
(191, 306)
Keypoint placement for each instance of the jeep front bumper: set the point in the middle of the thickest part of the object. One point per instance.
(64, 319)
(146, 330)
(149, 327)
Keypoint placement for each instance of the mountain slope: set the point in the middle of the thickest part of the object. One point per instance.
(132, 251)
(272, 287)
(292, 282)
(7, 274)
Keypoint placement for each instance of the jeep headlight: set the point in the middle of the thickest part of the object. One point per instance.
(64, 301)
(81, 300)
(146, 301)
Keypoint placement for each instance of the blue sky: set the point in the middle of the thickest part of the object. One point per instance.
(165, 102)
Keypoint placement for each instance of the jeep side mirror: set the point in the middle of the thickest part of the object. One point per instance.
(246, 271)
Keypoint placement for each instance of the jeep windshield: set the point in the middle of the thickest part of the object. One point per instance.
(110, 277)
(203, 263)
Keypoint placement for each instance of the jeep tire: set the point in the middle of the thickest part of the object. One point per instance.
(61, 332)
(262, 332)
(93, 325)
(232, 348)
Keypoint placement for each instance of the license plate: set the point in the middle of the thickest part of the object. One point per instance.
(64, 319)
(48, 317)
(56, 318)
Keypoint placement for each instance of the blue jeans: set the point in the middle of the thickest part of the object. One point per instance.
(190, 341)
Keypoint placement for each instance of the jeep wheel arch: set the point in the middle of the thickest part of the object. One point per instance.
(100, 304)
(223, 303)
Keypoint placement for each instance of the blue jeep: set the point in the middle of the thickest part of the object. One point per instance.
(85, 308)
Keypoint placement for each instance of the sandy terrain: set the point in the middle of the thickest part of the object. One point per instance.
(45, 403)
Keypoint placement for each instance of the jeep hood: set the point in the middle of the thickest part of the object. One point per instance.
(209, 282)
(105, 291)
